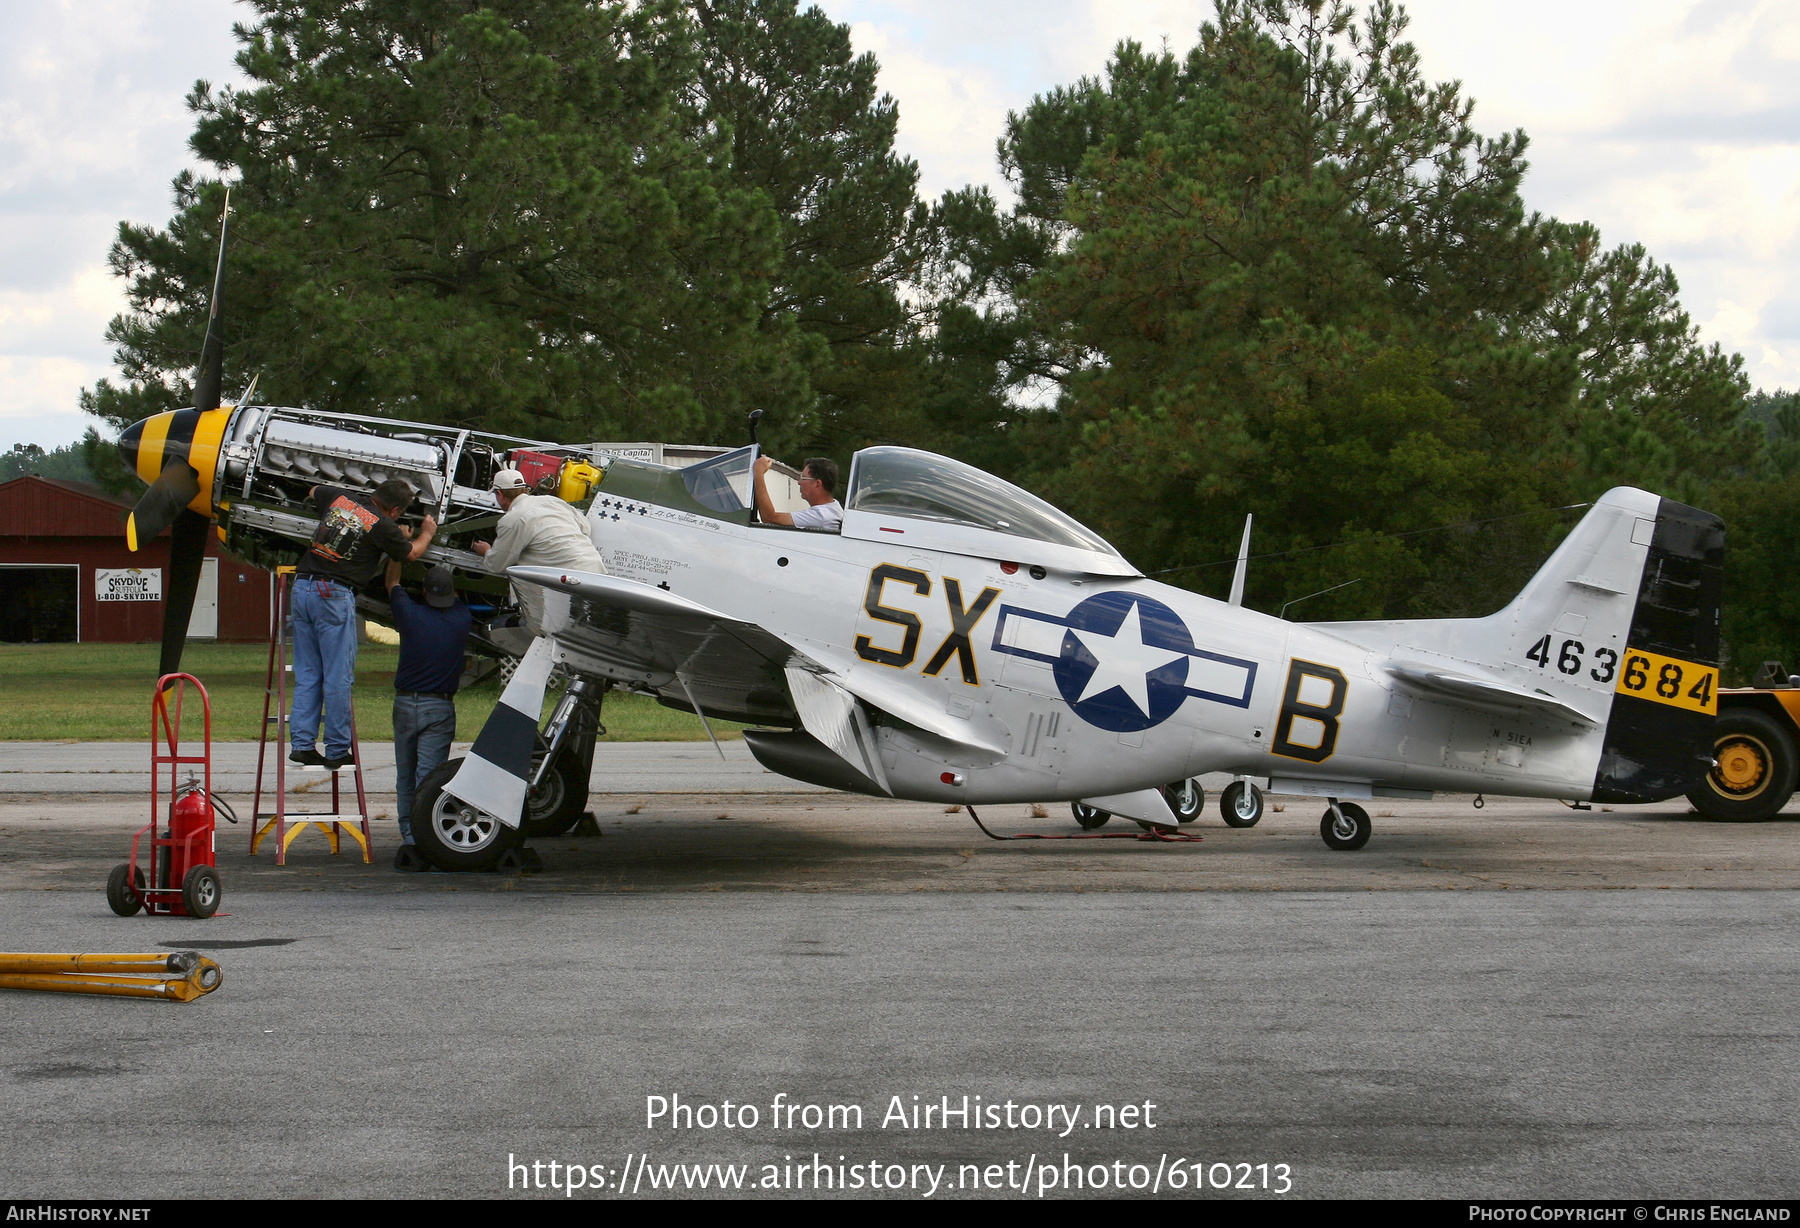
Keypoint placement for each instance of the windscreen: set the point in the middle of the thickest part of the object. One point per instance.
(722, 482)
(923, 486)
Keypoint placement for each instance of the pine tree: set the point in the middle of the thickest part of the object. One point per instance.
(1288, 275)
(507, 216)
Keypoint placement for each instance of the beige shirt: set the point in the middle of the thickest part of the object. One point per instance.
(543, 531)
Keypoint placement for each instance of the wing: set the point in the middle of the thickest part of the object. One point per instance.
(687, 653)
(1489, 693)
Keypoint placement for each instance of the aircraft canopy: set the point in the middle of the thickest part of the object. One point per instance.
(923, 486)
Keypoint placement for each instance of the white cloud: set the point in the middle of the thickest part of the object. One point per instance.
(1673, 123)
(92, 129)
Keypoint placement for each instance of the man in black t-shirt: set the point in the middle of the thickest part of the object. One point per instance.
(434, 638)
(355, 531)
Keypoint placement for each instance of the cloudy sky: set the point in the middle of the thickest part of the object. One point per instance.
(1671, 123)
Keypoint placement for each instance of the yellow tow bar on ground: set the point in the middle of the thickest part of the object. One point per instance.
(174, 976)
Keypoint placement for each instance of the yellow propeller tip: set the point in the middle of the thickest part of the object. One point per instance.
(131, 533)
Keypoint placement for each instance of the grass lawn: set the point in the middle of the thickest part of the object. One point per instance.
(101, 693)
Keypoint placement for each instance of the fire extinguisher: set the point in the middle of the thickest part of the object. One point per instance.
(190, 816)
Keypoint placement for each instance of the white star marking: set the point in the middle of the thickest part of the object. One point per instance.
(1125, 661)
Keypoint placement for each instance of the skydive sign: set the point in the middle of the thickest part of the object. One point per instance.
(128, 584)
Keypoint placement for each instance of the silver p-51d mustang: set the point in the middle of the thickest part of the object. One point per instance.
(963, 641)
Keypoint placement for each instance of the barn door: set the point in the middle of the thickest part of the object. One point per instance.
(203, 624)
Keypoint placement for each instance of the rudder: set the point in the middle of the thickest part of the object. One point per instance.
(1659, 734)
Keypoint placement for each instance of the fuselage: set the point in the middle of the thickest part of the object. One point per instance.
(1082, 685)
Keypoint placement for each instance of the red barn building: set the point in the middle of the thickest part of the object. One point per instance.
(66, 576)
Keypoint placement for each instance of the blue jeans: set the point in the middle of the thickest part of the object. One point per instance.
(324, 663)
(424, 727)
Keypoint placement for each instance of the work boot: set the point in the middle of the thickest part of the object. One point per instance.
(310, 757)
(332, 765)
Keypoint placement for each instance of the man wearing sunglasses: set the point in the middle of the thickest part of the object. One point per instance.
(818, 486)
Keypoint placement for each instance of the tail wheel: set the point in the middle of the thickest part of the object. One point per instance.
(1754, 769)
(1241, 804)
(1186, 798)
(453, 835)
(1088, 816)
(1346, 830)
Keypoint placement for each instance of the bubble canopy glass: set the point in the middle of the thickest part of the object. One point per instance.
(923, 486)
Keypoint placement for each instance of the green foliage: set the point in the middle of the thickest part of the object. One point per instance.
(1762, 598)
(1653, 407)
(1281, 274)
(66, 463)
(1285, 275)
(525, 217)
(804, 125)
(1284, 278)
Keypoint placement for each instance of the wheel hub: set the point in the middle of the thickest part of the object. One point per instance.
(1342, 825)
(462, 827)
(1743, 765)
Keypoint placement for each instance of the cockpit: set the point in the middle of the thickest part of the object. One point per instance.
(900, 496)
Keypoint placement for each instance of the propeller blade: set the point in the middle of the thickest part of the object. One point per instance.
(160, 505)
(209, 377)
(187, 547)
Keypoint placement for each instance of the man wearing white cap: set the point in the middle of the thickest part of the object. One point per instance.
(536, 531)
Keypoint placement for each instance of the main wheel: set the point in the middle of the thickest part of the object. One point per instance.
(453, 835)
(1349, 832)
(201, 892)
(554, 805)
(1088, 816)
(1754, 768)
(1241, 804)
(1186, 798)
(119, 896)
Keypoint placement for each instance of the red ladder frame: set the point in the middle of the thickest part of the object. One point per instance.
(287, 825)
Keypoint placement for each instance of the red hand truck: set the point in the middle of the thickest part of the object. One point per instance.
(182, 881)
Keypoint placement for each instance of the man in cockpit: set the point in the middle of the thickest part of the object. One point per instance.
(818, 486)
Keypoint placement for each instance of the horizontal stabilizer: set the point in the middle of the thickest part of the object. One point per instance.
(1489, 693)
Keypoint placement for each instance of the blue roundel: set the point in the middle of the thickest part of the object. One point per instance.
(1124, 661)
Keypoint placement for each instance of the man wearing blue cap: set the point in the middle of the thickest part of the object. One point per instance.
(434, 638)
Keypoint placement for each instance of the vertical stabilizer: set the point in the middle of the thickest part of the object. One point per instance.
(1620, 625)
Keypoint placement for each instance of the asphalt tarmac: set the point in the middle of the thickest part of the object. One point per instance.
(1521, 1001)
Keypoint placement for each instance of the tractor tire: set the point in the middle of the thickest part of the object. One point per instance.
(1754, 768)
